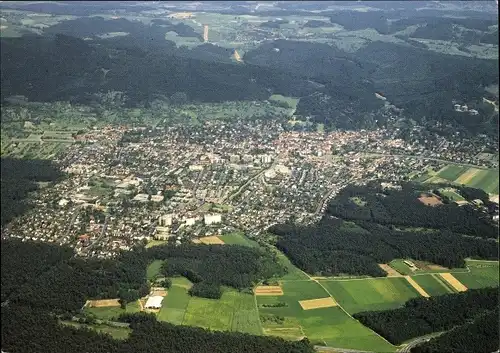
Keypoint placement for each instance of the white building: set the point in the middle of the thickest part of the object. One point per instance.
(165, 220)
(154, 302)
(212, 219)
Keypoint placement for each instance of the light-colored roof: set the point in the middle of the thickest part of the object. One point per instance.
(154, 302)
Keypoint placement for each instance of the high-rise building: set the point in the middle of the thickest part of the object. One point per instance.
(205, 33)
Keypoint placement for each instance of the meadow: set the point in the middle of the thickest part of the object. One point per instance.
(115, 332)
(153, 269)
(238, 238)
(482, 274)
(485, 179)
(113, 312)
(358, 295)
(433, 284)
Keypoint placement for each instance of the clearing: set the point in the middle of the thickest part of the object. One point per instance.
(211, 240)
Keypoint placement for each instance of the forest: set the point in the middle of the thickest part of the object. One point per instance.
(479, 336)
(421, 316)
(335, 247)
(402, 207)
(19, 177)
(29, 330)
(211, 266)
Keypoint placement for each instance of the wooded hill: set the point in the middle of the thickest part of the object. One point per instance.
(421, 316)
(390, 224)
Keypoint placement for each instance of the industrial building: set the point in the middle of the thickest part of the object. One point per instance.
(212, 219)
(154, 302)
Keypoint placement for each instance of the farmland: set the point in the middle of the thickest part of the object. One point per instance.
(112, 312)
(485, 179)
(237, 239)
(358, 295)
(433, 284)
(153, 269)
(115, 332)
(326, 326)
(422, 268)
(482, 274)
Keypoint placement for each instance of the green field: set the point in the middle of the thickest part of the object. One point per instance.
(238, 238)
(324, 326)
(112, 312)
(482, 274)
(452, 195)
(433, 285)
(152, 243)
(153, 269)
(401, 267)
(115, 332)
(452, 172)
(234, 311)
(371, 294)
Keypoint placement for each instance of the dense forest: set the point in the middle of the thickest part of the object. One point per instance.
(28, 69)
(19, 177)
(479, 336)
(421, 316)
(402, 207)
(28, 330)
(334, 247)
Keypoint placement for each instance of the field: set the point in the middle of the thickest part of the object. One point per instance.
(433, 284)
(115, 332)
(430, 200)
(485, 179)
(235, 311)
(451, 194)
(153, 269)
(292, 102)
(211, 240)
(390, 271)
(310, 304)
(482, 274)
(456, 284)
(423, 267)
(237, 239)
(152, 243)
(268, 290)
(417, 287)
(103, 303)
(371, 294)
(329, 326)
(112, 312)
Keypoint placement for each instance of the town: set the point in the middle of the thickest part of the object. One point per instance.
(133, 185)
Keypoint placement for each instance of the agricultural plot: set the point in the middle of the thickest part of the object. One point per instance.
(423, 267)
(371, 294)
(456, 284)
(325, 326)
(152, 243)
(233, 311)
(485, 179)
(292, 102)
(432, 284)
(451, 194)
(482, 274)
(238, 239)
(211, 240)
(112, 312)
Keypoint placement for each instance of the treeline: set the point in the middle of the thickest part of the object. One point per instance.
(334, 247)
(421, 316)
(402, 207)
(28, 330)
(479, 336)
(210, 266)
(18, 178)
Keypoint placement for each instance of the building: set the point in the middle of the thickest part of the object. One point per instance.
(165, 221)
(141, 198)
(157, 198)
(154, 302)
(212, 219)
(205, 33)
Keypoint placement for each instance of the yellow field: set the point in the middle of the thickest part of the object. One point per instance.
(103, 303)
(455, 283)
(317, 303)
(211, 240)
(415, 285)
(158, 291)
(466, 177)
(268, 290)
(390, 271)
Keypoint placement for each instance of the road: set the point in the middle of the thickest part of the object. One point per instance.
(338, 350)
(423, 157)
(70, 224)
(103, 231)
(230, 197)
(407, 348)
